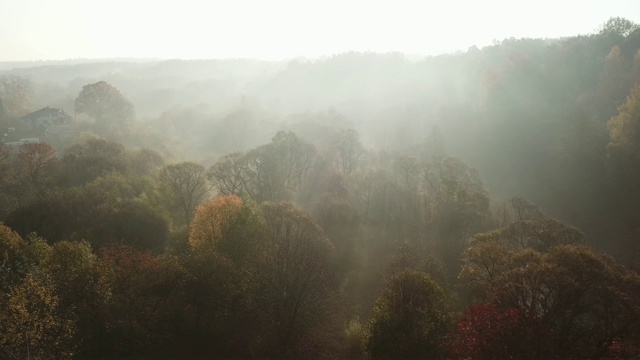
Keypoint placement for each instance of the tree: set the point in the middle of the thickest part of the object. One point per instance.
(37, 162)
(491, 254)
(218, 315)
(186, 184)
(132, 223)
(145, 162)
(484, 261)
(624, 129)
(410, 319)
(614, 84)
(294, 281)
(3, 114)
(584, 300)
(14, 263)
(457, 206)
(486, 331)
(339, 219)
(348, 151)
(226, 225)
(135, 323)
(409, 257)
(83, 163)
(279, 170)
(104, 103)
(82, 290)
(230, 175)
(15, 95)
(623, 164)
(97, 213)
(407, 171)
(617, 26)
(539, 234)
(31, 325)
(567, 302)
(9, 189)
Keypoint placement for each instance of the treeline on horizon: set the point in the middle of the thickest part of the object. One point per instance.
(477, 205)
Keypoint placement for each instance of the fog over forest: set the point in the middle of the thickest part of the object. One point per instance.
(481, 204)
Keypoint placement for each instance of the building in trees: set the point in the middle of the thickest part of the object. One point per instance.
(46, 117)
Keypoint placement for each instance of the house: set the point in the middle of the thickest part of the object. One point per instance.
(46, 117)
(51, 123)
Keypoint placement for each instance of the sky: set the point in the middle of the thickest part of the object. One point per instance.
(282, 29)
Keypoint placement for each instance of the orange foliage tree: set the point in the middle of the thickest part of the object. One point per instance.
(226, 225)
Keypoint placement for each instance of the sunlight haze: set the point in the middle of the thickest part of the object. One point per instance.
(191, 29)
(325, 179)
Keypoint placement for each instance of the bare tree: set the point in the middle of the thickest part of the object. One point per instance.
(294, 276)
(37, 160)
(348, 151)
(187, 185)
(230, 175)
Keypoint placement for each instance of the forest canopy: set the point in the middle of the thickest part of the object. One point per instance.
(476, 205)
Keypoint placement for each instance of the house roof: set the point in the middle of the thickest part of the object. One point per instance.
(46, 111)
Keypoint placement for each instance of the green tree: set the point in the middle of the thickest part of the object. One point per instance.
(83, 163)
(133, 223)
(14, 263)
(457, 206)
(106, 105)
(10, 188)
(410, 319)
(82, 290)
(340, 221)
(139, 318)
(615, 82)
(624, 129)
(212, 312)
(32, 323)
(145, 162)
(618, 26)
(492, 253)
(623, 164)
(104, 213)
(584, 300)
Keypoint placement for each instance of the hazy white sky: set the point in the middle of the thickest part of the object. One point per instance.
(275, 29)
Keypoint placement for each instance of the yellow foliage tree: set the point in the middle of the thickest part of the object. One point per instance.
(211, 220)
(624, 129)
(31, 327)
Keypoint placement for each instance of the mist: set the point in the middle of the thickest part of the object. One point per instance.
(475, 202)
